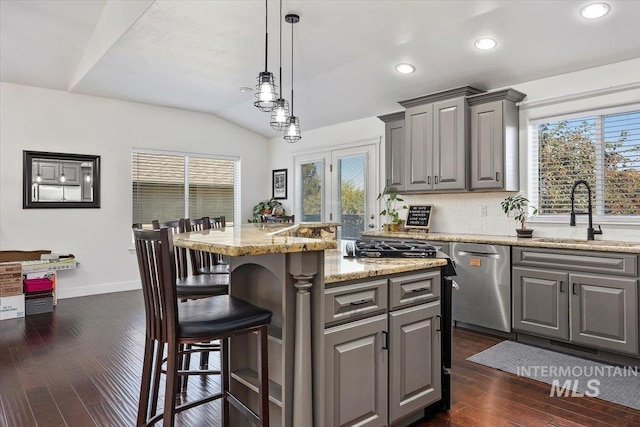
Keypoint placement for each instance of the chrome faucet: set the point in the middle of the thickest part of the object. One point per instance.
(590, 231)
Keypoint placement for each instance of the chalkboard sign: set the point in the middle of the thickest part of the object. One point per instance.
(419, 216)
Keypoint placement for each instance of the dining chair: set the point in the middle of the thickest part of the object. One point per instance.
(173, 324)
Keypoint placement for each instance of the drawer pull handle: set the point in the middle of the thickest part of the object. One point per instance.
(419, 289)
(360, 302)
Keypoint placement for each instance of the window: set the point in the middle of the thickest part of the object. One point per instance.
(602, 148)
(168, 186)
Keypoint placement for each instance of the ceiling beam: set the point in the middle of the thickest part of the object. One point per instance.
(116, 19)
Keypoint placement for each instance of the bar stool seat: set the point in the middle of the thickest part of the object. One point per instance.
(218, 316)
(202, 286)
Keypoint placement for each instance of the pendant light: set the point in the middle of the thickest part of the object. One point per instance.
(280, 112)
(292, 131)
(266, 94)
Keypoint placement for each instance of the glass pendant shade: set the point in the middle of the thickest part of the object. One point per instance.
(266, 94)
(292, 131)
(280, 115)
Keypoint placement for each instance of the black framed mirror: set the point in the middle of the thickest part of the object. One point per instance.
(59, 180)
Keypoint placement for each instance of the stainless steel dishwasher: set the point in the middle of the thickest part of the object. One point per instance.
(484, 278)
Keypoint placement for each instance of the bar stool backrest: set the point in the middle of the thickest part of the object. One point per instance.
(154, 250)
(182, 264)
(199, 259)
(218, 222)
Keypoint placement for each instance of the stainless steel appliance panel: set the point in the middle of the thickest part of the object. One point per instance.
(484, 279)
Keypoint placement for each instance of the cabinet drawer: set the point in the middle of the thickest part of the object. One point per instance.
(590, 261)
(416, 288)
(355, 301)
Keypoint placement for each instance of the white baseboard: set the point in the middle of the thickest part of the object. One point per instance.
(103, 288)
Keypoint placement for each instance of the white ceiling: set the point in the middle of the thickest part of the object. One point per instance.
(197, 54)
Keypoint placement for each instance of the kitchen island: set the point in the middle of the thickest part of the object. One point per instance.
(315, 296)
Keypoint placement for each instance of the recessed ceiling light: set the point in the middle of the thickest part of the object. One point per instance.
(246, 89)
(485, 43)
(405, 68)
(595, 10)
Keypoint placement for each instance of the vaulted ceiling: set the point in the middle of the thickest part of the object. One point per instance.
(196, 55)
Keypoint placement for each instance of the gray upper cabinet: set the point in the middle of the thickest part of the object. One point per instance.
(449, 145)
(419, 148)
(494, 140)
(436, 140)
(394, 140)
(45, 172)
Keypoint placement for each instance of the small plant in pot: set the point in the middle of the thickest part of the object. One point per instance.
(266, 207)
(390, 199)
(519, 205)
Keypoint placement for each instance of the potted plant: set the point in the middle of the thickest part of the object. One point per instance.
(519, 206)
(390, 199)
(266, 207)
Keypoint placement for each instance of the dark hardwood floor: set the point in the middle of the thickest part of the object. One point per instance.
(80, 366)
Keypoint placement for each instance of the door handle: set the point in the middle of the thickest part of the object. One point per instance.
(435, 179)
(429, 180)
(573, 289)
(561, 284)
(439, 328)
(385, 340)
(497, 176)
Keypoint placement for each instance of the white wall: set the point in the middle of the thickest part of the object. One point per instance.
(48, 120)
(460, 212)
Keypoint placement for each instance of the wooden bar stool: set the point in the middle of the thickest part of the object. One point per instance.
(204, 262)
(174, 324)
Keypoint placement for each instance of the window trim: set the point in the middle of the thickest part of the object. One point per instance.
(533, 166)
(237, 200)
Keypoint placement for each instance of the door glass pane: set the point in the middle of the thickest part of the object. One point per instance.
(351, 186)
(311, 192)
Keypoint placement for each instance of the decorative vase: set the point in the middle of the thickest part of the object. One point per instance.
(278, 211)
(527, 232)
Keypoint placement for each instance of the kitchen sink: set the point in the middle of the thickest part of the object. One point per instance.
(588, 242)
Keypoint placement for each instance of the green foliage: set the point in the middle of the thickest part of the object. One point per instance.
(390, 198)
(568, 153)
(264, 205)
(311, 189)
(519, 206)
(351, 198)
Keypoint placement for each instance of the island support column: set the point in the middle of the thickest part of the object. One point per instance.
(303, 267)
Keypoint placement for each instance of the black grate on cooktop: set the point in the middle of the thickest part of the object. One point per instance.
(383, 249)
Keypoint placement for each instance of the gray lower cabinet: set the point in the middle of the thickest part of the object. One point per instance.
(604, 312)
(540, 302)
(414, 359)
(356, 373)
(595, 310)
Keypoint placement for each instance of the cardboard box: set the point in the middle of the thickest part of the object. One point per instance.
(16, 256)
(11, 268)
(11, 287)
(12, 307)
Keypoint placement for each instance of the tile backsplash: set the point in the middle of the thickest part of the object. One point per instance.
(465, 213)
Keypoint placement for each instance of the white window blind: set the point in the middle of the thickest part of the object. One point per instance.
(172, 186)
(601, 147)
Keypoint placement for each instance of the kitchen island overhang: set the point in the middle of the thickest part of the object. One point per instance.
(287, 275)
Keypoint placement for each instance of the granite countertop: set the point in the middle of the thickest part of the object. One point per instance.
(251, 239)
(539, 242)
(339, 269)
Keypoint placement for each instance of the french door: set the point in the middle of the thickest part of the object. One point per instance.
(339, 186)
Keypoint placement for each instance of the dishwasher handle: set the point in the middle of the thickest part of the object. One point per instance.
(482, 254)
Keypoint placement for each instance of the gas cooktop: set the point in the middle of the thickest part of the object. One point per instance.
(395, 249)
